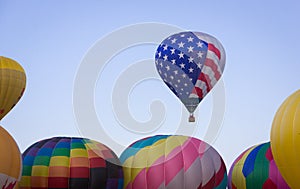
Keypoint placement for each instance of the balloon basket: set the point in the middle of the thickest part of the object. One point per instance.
(191, 118)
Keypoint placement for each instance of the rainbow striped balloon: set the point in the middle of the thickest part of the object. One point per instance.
(255, 168)
(67, 162)
(175, 162)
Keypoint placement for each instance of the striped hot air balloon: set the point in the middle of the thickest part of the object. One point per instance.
(10, 161)
(255, 168)
(12, 85)
(175, 162)
(69, 162)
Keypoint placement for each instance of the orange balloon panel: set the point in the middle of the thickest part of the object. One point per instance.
(10, 160)
(12, 85)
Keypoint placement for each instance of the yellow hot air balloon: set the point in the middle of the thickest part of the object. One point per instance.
(285, 139)
(12, 84)
(10, 161)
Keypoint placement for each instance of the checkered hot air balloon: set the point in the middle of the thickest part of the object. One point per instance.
(190, 64)
(68, 162)
(255, 168)
(174, 162)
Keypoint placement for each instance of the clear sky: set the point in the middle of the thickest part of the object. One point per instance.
(52, 38)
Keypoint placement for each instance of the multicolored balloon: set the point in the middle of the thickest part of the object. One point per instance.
(12, 85)
(69, 162)
(190, 64)
(255, 168)
(285, 139)
(177, 162)
(10, 161)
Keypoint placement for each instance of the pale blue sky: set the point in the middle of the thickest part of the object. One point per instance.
(50, 38)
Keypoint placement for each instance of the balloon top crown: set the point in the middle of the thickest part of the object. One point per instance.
(9, 63)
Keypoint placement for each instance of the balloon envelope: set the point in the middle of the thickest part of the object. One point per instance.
(10, 161)
(12, 85)
(255, 168)
(67, 162)
(285, 139)
(177, 162)
(190, 64)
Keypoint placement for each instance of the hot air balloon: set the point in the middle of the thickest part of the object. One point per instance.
(190, 64)
(285, 139)
(70, 162)
(10, 161)
(12, 85)
(177, 162)
(255, 168)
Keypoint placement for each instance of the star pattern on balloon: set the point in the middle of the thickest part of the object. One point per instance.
(184, 55)
(190, 64)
